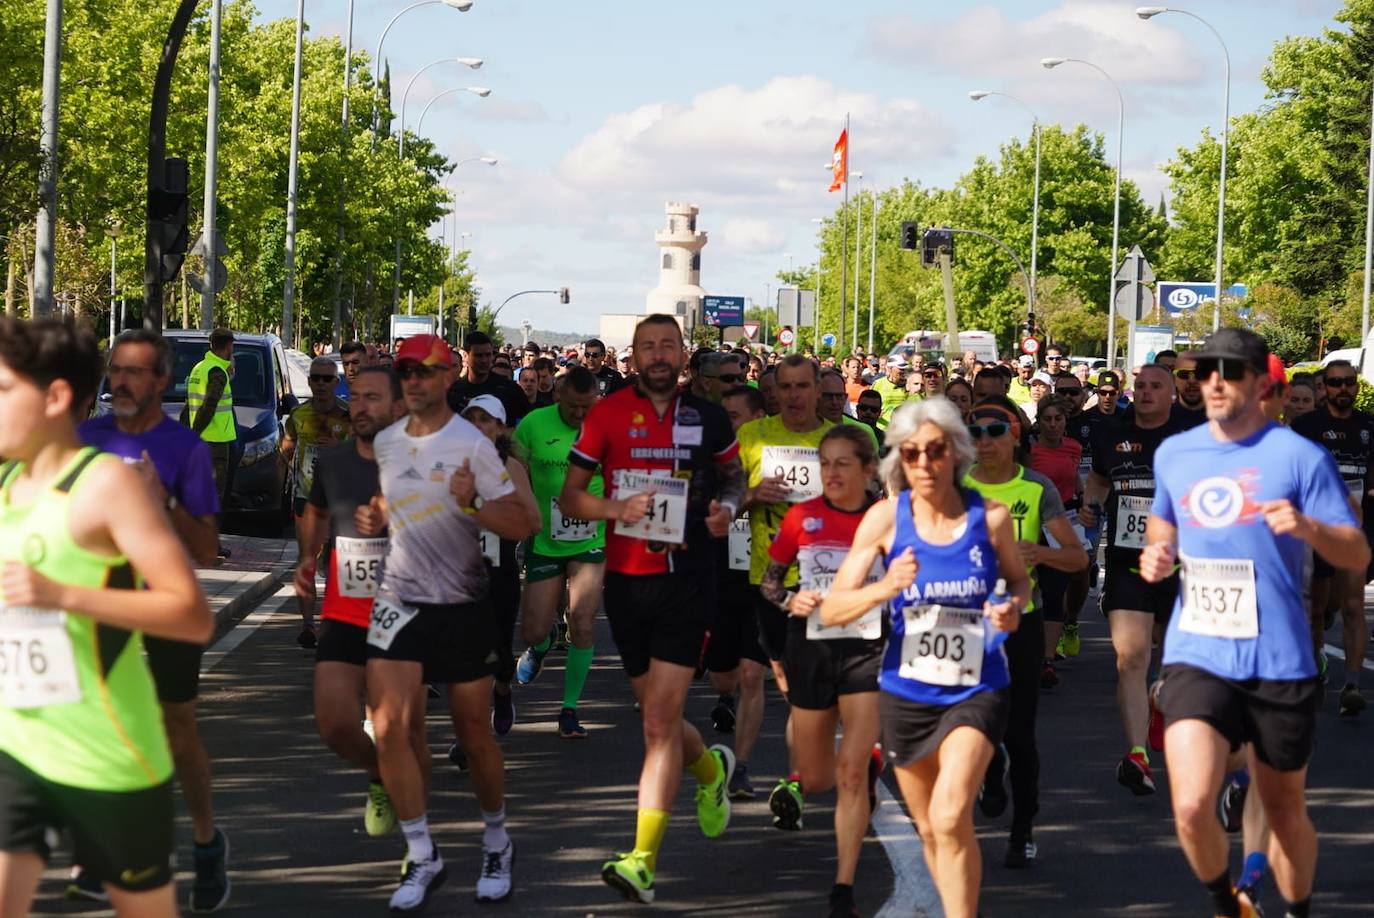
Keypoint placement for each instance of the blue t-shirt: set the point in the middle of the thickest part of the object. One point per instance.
(1212, 491)
(181, 457)
(959, 575)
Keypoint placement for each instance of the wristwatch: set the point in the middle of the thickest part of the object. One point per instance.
(477, 503)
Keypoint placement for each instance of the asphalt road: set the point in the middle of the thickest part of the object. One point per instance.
(293, 811)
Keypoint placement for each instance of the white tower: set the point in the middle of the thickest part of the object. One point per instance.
(679, 289)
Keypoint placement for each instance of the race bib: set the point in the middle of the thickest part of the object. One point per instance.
(1356, 488)
(798, 466)
(388, 618)
(942, 646)
(1131, 515)
(37, 668)
(564, 528)
(816, 568)
(360, 565)
(740, 542)
(666, 519)
(1218, 597)
(491, 546)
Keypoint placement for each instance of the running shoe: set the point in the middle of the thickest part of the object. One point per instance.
(210, 888)
(631, 876)
(1155, 733)
(875, 769)
(379, 817)
(1072, 643)
(86, 885)
(992, 798)
(723, 714)
(420, 881)
(568, 725)
(787, 805)
(1231, 804)
(1352, 702)
(307, 639)
(1048, 677)
(741, 788)
(530, 666)
(1133, 773)
(458, 757)
(495, 883)
(502, 711)
(1249, 902)
(713, 800)
(842, 902)
(1021, 851)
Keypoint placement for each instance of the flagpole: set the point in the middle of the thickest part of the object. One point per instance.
(844, 240)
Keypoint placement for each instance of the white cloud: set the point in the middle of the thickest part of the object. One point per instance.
(750, 236)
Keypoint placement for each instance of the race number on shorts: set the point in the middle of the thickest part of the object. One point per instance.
(666, 518)
(37, 667)
(1132, 513)
(389, 616)
(799, 467)
(564, 528)
(360, 565)
(491, 546)
(1217, 597)
(816, 567)
(942, 646)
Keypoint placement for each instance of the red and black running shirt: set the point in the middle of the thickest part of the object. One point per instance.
(691, 440)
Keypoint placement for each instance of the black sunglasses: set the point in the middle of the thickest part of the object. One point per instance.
(1340, 382)
(1230, 370)
(934, 451)
(1185, 375)
(418, 370)
(993, 431)
(732, 378)
(322, 377)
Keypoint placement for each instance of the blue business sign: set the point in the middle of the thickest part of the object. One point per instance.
(722, 311)
(828, 339)
(1181, 297)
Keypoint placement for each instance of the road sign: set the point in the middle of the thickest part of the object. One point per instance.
(1127, 271)
(220, 276)
(828, 339)
(751, 329)
(1030, 345)
(221, 248)
(1150, 340)
(1181, 296)
(1133, 295)
(1133, 300)
(722, 311)
(786, 337)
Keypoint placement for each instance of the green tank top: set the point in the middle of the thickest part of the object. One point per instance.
(544, 443)
(77, 703)
(1021, 496)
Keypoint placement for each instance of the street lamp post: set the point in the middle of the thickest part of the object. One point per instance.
(858, 254)
(289, 291)
(820, 255)
(43, 256)
(207, 293)
(872, 270)
(1148, 12)
(461, 6)
(114, 232)
(979, 94)
(336, 333)
(1049, 63)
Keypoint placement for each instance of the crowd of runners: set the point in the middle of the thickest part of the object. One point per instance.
(904, 562)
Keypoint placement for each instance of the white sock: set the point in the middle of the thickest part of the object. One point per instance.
(494, 837)
(418, 843)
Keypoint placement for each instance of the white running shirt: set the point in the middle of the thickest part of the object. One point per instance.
(435, 556)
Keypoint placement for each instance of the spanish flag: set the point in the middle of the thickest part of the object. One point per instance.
(839, 163)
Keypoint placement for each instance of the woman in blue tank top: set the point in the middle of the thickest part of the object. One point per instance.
(943, 699)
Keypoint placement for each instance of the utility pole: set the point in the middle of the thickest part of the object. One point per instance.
(343, 185)
(289, 292)
(43, 261)
(207, 296)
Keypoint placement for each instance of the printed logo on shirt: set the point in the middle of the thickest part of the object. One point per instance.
(1217, 502)
(975, 556)
(411, 474)
(812, 523)
(34, 550)
(1126, 446)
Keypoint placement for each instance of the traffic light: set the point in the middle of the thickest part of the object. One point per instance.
(562, 294)
(911, 234)
(933, 241)
(472, 317)
(1029, 327)
(167, 208)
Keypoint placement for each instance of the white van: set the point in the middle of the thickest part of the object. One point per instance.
(983, 344)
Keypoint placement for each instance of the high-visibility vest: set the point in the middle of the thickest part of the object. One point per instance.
(221, 427)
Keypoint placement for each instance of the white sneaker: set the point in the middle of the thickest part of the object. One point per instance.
(494, 885)
(421, 879)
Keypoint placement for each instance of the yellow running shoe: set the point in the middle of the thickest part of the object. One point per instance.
(713, 800)
(378, 816)
(631, 876)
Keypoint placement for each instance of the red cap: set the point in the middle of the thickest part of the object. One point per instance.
(429, 350)
(1276, 371)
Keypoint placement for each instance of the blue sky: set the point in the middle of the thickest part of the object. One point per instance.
(603, 110)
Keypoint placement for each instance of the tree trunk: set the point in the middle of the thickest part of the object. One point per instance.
(10, 308)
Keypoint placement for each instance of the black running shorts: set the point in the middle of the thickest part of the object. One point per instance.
(1125, 589)
(341, 642)
(456, 642)
(659, 617)
(175, 666)
(912, 731)
(772, 627)
(819, 672)
(735, 628)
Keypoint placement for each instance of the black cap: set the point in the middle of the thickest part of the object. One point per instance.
(1108, 378)
(1236, 344)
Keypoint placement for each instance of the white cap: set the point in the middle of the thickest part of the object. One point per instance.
(1027, 360)
(1043, 377)
(488, 403)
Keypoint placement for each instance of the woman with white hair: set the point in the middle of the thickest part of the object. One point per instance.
(943, 681)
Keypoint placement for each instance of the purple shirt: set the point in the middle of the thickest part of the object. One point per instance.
(181, 457)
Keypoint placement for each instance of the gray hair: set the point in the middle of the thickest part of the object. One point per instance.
(909, 418)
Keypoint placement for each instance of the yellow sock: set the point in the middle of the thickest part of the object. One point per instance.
(706, 769)
(649, 831)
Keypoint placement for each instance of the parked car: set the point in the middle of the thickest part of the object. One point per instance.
(932, 343)
(260, 483)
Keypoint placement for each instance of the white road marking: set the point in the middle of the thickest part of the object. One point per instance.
(913, 890)
(240, 632)
(1333, 651)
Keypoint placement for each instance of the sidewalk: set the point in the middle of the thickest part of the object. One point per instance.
(253, 571)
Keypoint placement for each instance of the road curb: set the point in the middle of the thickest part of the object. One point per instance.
(245, 601)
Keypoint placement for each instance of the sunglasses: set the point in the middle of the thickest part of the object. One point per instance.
(323, 377)
(594, 355)
(1107, 393)
(1340, 382)
(994, 431)
(932, 374)
(732, 378)
(1230, 370)
(417, 370)
(934, 452)
(1054, 357)
(1068, 390)
(1185, 375)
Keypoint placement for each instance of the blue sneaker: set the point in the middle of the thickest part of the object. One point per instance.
(569, 727)
(529, 667)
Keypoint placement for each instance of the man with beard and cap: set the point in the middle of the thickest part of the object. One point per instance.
(1189, 411)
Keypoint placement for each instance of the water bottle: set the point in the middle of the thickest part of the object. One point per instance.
(995, 639)
(999, 593)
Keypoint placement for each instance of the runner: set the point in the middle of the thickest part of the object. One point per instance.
(478, 379)
(1079, 426)
(1348, 434)
(834, 670)
(944, 699)
(1240, 502)
(432, 619)
(1123, 481)
(782, 461)
(673, 462)
(1057, 458)
(82, 746)
(320, 423)
(567, 554)
(1036, 510)
(1189, 411)
(175, 465)
(608, 378)
(346, 480)
(353, 356)
(892, 388)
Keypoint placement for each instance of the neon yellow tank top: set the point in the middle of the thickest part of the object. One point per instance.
(77, 703)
